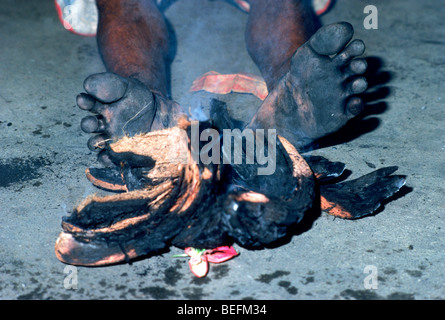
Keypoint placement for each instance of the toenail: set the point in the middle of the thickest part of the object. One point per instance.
(96, 143)
(89, 124)
(359, 47)
(359, 85)
(358, 66)
(355, 106)
(85, 101)
(330, 39)
(106, 87)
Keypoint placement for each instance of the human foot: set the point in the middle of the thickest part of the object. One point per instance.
(121, 107)
(318, 94)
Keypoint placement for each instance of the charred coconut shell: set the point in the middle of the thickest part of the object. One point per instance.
(165, 197)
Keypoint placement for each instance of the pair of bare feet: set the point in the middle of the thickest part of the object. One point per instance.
(315, 98)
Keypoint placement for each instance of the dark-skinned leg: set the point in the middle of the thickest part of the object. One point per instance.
(131, 97)
(133, 41)
(312, 76)
(275, 30)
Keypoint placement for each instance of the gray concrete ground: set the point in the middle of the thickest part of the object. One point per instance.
(43, 156)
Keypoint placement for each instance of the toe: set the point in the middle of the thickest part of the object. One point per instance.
(106, 87)
(354, 106)
(331, 39)
(104, 158)
(355, 67)
(354, 49)
(357, 86)
(85, 101)
(89, 124)
(97, 143)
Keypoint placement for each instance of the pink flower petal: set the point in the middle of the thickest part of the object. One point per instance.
(199, 268)
(220, 254)
(200, 258)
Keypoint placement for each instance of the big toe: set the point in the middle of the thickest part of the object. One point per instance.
(106, 87)
(331, 39)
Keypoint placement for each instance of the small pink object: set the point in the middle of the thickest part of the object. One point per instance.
(225, 83)
(200, 258)
(220, 254)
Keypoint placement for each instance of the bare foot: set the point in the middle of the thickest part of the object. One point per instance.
(318, 95)
(121, 107)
